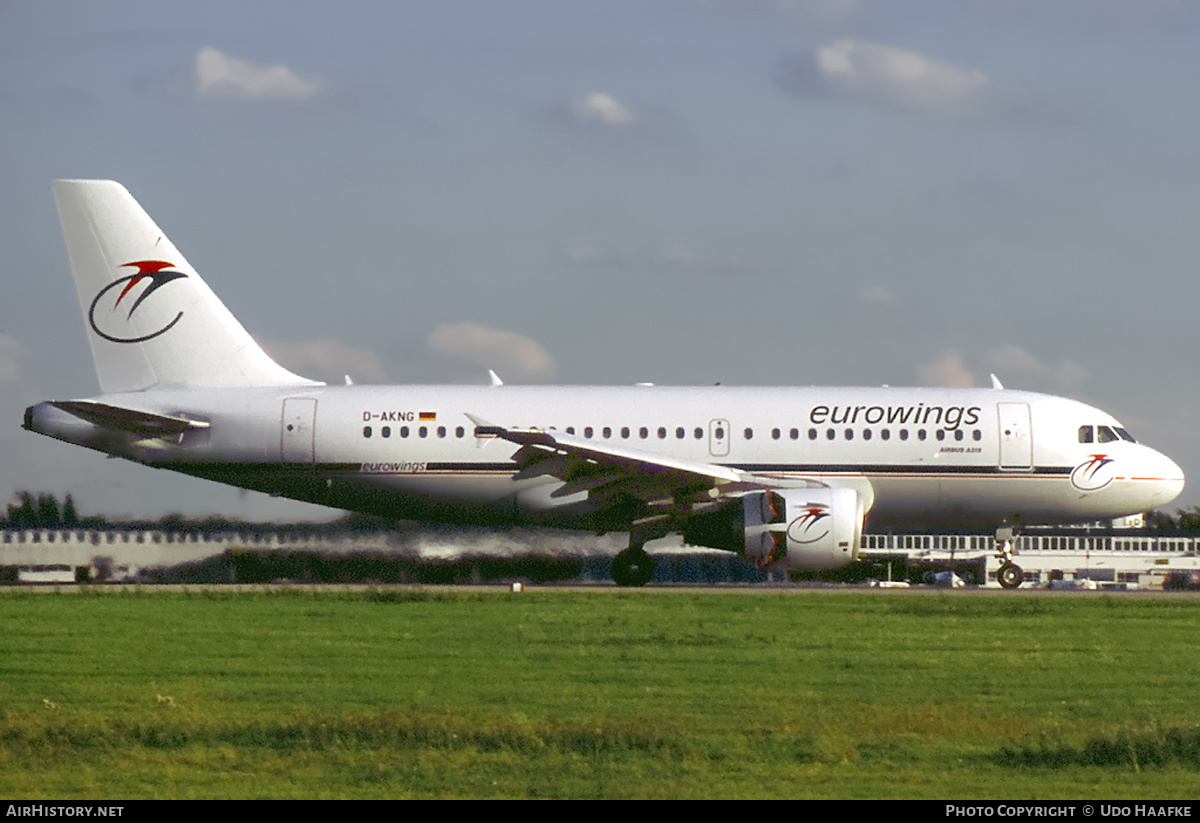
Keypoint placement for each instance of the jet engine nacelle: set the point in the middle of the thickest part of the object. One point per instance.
(800, 529)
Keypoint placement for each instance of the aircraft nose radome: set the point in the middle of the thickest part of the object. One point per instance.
(1165, 476)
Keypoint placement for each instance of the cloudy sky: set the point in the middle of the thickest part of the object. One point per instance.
(788, 192)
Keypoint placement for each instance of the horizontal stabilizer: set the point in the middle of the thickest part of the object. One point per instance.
(146, 424)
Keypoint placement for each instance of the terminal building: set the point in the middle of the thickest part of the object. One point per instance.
(1093, 557)
(1109, 560)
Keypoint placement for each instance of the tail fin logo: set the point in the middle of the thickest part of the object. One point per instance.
(112, 318)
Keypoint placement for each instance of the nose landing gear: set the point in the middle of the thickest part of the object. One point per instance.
(1009, 575)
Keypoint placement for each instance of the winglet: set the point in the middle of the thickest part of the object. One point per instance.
(996, 382)
(496, 381)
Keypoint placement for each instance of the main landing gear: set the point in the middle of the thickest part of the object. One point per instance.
(632, 567)
(1009, 575)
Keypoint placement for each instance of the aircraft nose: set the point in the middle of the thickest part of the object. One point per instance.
(1162, 478)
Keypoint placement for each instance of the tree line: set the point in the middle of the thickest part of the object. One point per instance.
(43, 510)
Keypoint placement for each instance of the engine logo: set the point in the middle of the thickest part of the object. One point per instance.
(810, 526)
(1094, 473)
(115, 324)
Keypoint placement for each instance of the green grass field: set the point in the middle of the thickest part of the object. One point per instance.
(548, 693)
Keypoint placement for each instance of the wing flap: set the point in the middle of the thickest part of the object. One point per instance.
(612, 474)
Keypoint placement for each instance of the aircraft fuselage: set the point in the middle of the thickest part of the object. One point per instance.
(919, 457)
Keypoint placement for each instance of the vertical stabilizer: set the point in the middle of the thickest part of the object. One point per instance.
(151, 321)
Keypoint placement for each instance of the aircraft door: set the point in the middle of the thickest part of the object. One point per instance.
(1016, 437)
(718, 438)
(298, 429)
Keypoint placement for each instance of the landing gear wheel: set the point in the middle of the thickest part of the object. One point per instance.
(632, 567)
(1009, 576)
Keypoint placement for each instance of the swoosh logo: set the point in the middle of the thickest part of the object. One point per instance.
(1094, 473)
(113, 322)
(810, 526)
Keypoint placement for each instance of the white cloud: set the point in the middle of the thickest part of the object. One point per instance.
(1015, 366)
(504, 351)
(1014, 358)
(220, 76)
(874, 74)
(948, 370)
(883, 74)
(602, 108)
(1067, 374)
(328, 360)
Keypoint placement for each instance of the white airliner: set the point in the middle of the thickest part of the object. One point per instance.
(782, 476)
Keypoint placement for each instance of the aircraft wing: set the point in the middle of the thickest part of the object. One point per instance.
(612, 474)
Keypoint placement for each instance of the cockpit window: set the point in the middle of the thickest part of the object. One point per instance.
(1125, 435)
(1085, 434)
(1107, 435)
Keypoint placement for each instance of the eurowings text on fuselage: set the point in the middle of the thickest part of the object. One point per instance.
(783, 476)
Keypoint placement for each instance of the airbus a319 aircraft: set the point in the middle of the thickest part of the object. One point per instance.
(784, 477)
